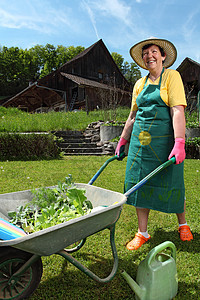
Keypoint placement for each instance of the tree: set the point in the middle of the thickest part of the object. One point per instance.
(130, 70)
(65, 54)
(13, 70)
(50, 59)
(18, 67)
(119, 60)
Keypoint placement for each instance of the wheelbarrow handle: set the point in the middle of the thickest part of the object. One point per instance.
(103, 167)
(149, 176)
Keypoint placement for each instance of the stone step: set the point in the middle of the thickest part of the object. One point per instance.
(76, 143)
(86, 154)
(81, 150)
(75, 140)
(68, 133)
(84, 144)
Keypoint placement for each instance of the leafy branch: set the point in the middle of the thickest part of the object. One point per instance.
(51, 206)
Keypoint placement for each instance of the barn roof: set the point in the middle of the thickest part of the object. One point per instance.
(33, 94)
(81, 55)
(90, 83)
(186, 62)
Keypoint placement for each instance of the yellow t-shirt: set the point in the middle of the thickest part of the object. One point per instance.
(171, 89)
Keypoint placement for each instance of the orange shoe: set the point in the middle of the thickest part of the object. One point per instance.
(137, 242)
(185, 233)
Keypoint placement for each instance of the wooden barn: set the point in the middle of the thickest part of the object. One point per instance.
(190, 73)
(88, 81)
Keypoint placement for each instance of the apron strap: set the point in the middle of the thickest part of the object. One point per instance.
(159, 80)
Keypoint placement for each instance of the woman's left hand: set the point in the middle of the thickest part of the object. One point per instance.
(178, 151)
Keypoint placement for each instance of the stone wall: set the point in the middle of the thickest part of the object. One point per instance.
(102, 132)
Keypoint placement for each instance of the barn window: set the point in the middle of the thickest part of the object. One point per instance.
(100, 75)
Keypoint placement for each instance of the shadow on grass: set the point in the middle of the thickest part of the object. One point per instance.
(188, 291)
(68, 282)
(71, 283)
(160, 236)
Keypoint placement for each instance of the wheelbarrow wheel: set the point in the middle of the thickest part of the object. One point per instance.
(10, 261)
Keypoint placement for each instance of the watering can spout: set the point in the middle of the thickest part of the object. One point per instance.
(140, 292)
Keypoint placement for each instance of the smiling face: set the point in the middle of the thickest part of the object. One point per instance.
(153, 58)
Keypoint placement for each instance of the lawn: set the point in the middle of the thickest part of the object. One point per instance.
(60, 279)
(15, 120)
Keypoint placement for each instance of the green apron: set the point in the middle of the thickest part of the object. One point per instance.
(152, 140)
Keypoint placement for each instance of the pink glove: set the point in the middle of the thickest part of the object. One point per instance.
(178, 150)
(120, 148)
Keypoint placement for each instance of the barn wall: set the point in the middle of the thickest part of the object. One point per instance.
(190, 74)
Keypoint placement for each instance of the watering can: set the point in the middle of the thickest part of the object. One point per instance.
(157, 275)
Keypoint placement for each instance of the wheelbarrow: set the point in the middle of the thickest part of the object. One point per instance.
(20, 258)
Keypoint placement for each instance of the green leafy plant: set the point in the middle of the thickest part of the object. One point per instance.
(51, 206)
(114, 123)
(191, 119)
(192, 124)
(193, 141)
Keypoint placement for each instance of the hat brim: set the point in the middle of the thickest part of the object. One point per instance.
(168, 47)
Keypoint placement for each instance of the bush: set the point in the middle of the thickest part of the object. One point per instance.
(192, 119)
(192, 147)
(28, 146)
(193, 141)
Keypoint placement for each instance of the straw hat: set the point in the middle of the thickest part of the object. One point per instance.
(168, 47)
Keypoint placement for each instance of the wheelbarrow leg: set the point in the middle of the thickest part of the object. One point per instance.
(85, 270)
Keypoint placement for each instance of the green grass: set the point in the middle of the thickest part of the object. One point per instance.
(61, 280)
(14, 120)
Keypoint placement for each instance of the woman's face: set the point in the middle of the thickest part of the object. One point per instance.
(152, 58)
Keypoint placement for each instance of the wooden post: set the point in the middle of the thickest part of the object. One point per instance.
(86, 105)
(198, 107)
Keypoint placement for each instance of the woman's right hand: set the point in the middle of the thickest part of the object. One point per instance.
(121, 148)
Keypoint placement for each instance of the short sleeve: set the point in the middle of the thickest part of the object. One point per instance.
(176, 92)
(136, 91)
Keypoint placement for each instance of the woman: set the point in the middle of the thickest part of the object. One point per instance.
(156, 129)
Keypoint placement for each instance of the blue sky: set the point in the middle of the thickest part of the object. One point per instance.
(120, 23)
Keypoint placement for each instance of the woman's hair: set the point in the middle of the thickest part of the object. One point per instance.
(149, 45)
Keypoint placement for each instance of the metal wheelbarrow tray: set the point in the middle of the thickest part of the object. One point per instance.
(20, 258)
(53, 239)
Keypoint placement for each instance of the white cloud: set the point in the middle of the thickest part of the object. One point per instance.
(92, 17)
(115, 8)
(35, 16)
(118, 22)
(189, 25)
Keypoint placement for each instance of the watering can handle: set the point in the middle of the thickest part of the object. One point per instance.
(159, 248)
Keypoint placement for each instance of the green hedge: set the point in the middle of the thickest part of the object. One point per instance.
(192, 147)
(28, 146)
